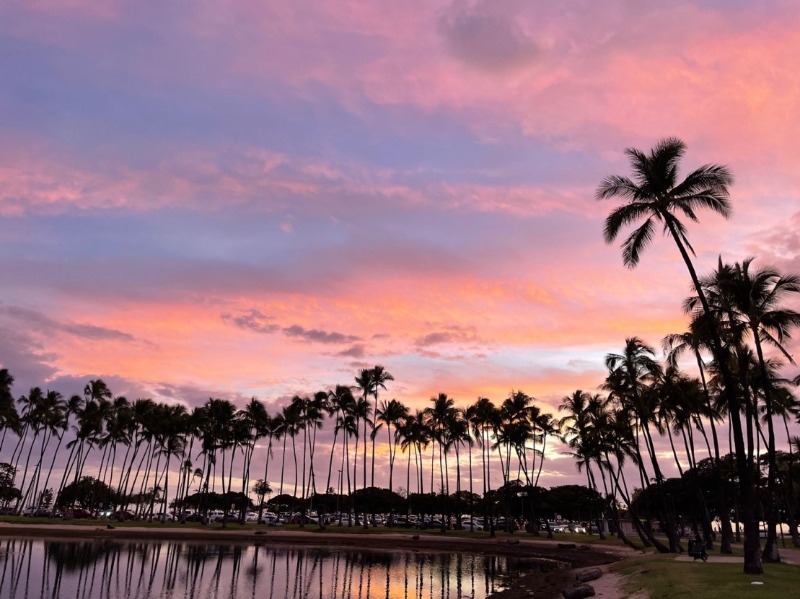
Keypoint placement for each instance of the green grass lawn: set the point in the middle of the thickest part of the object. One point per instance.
(664, 578)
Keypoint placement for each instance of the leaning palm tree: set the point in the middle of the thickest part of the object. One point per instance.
(751, 299)
(656, 195)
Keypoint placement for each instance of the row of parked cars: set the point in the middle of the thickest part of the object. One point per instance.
(334, 519)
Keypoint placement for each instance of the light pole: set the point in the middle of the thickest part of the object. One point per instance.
(522, 495)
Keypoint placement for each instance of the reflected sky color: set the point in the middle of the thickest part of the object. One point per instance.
(114, 570)
(248, 197)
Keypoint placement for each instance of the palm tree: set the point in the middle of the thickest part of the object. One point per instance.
(70, 409)
(391, 413)
(9, 418)
(457, 434)
(340, 403)
(485, 420)
(171, 443)
(693, 340)
(581, 434)
(630, 373)
(256, 418)
(656, 195)
(52, 410)
(33, 415)
(438, 415)
(415, 436)
(370, 381)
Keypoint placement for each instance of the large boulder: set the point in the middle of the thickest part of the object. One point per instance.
(578, 592)
(588, 575)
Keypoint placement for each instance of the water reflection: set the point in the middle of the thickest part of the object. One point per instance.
(106, 569)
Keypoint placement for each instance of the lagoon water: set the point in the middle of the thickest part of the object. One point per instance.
(106, 569)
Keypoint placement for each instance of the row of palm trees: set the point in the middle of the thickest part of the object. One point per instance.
(138, 444)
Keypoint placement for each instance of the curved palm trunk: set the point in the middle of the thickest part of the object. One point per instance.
(283, 463)
(33, 486)
(25, 475)
(612, 503)
(391, 456)
(303, 503)
(330, 461)
(52, 463)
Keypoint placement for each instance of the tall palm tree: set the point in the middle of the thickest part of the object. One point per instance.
(70, 409)
(371, 381)
(457, 434)
(255, 418)
(439, 414)
(52, 409)
(656, 195)
(485, 419)
(33, 415)
(391, 413)
(340, 400)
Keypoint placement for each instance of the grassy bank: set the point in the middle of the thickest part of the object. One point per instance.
(662, 577)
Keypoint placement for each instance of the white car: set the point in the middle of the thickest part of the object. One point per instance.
(577, 528)
(468, 524)
(164, 517)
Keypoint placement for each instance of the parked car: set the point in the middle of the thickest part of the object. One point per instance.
(468, 524)
(558, 528)
(577, 529)
(196, 517)
(164, 517)
(81, 514)
(123, 515)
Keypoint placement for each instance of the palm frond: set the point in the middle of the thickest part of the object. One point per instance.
(636, 243)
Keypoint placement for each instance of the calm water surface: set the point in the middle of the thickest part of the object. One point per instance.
(104, 569)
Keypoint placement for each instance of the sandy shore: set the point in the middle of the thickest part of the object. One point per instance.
(544, 585)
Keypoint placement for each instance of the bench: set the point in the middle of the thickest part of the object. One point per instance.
(697, 550)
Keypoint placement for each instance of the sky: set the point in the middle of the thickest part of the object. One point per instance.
(236, 198)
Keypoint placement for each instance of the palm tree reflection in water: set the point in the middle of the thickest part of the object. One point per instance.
(180, 570)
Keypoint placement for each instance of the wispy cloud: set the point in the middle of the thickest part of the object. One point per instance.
(252, 320)
(257, 322)
(44, 324)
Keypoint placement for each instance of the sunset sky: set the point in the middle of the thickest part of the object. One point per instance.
(228, 198)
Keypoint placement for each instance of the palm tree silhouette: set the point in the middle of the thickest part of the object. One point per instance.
(656, 195)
